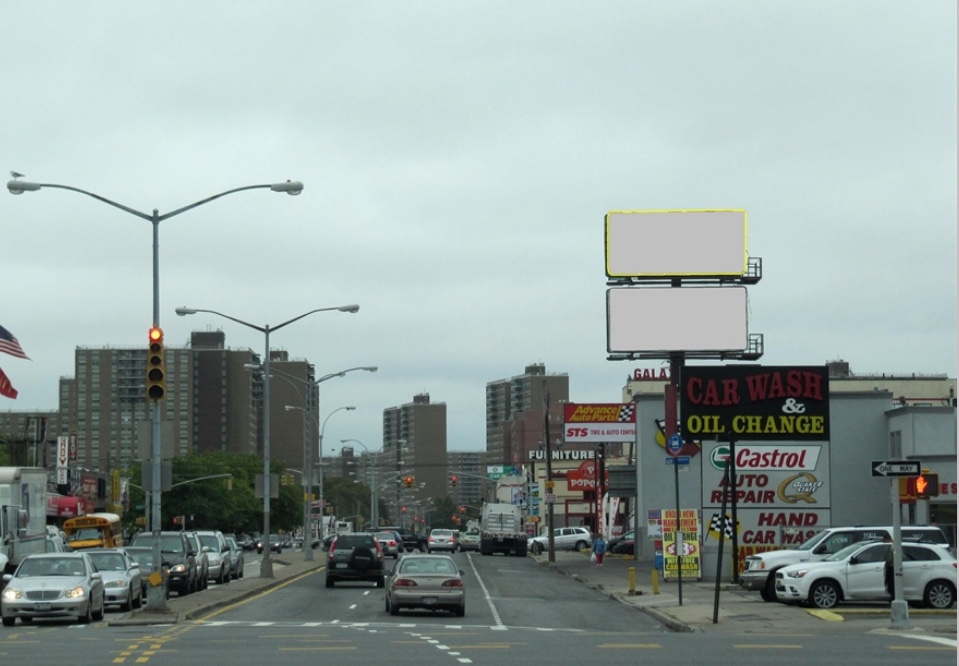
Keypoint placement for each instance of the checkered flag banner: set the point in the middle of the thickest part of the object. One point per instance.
(626, 413)
(722, 524)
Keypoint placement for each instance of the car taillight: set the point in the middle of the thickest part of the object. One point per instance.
(392, 543)
(332, 548)
(430, 539)
(453, 582)
(405, 582)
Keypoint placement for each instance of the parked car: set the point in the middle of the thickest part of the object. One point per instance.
(432, 582)
(213, 543)
(760, 569)
(390, 544)
(440, 539)
(469, 541)
(564, 538)
(202, 561)
(622, 544)
(179, 555)
(237, 559)
(276, 544)
(245, 541)
(143, 556)
(53, 585)
(121, 577)
(857, 573)
(354, 556)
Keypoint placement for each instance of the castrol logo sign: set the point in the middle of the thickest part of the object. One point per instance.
(768, 458)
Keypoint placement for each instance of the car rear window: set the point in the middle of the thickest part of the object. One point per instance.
(354, 540)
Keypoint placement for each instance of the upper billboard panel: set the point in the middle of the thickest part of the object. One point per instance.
(661, 319)
(675, 243)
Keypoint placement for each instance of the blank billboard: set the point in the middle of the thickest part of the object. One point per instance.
(675, 243)
(667, 319)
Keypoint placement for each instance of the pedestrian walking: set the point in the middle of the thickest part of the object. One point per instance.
(599, 549)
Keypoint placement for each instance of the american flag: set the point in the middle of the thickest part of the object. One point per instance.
(6, 389)
(9, 344)
(721, 523)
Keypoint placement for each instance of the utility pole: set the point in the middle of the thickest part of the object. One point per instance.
(550, 497)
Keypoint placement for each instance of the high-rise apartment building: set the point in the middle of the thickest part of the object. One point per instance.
(515, 414)
(213, 403)
(414, 445)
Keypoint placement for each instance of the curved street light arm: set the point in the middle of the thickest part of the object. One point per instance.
(21, 186)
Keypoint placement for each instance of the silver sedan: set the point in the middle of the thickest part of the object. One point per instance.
(426, 581)
(53, 585)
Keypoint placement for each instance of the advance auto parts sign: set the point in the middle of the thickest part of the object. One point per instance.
(757, 402)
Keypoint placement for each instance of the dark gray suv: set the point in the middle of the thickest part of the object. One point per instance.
(355, 556)
(178, 554)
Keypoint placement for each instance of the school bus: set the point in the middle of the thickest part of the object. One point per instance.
(94, 530)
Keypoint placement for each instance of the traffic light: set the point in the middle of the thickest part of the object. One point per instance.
(462, 509)
(927, 485)
(408, 481)
(453, 480)
(156, 369)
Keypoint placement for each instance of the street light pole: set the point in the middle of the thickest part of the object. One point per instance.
(308, 444)
(266, 564)
(374, 477)
(156, 597)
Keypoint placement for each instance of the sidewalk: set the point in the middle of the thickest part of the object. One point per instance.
(734, 610)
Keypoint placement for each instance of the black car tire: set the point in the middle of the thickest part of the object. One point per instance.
(330, 581)
(394, 609)
(824, 595)
(768, 591)
(461, 611)
(939, 594)
(380, 582)
(87, 617)
(100, 613)
(9, 621)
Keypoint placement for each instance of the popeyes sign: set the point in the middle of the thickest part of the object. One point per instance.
(583, 477)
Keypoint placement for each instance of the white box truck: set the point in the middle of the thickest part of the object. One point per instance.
(23, 514)
(502, 530)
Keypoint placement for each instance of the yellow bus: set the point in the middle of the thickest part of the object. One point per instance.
(94, 530)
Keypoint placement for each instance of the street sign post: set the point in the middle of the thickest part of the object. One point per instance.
(678, 460)
(896, 467)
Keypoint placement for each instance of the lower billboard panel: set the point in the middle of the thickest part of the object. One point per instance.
(666, 319)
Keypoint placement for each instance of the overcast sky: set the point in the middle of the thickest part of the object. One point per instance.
(458, 160)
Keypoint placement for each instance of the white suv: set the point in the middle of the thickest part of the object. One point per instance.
(857, 573)
(760, 569)
(564, 538)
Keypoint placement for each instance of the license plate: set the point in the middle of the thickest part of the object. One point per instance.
(42, 606)
(342, 565)
(429, 600)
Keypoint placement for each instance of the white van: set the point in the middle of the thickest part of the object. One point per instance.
(760, 571)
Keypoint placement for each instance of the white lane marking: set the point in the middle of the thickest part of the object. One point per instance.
(486, 595)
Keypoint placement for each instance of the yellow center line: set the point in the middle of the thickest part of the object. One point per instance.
(762, 646)
(629, 646)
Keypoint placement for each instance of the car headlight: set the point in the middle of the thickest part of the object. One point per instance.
(799, 573)
(115, 583)
(76, 593)
(12, 594)
(178, 568)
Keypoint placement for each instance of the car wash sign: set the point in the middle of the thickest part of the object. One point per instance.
(754, 402)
